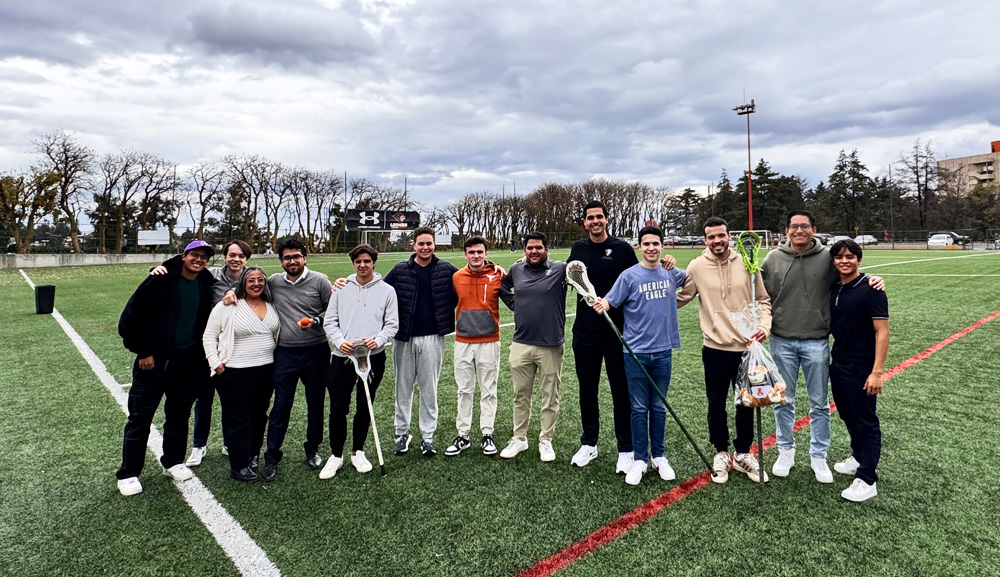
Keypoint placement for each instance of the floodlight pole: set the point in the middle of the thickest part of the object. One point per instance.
(747, 110)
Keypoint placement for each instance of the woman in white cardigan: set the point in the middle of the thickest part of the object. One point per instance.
(239, 344)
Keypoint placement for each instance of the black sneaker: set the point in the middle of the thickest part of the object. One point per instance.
(245, 475)
(427, 449)
(403, 443)
(489, 447)
(270, 473)
(314, 461)
(457, 446)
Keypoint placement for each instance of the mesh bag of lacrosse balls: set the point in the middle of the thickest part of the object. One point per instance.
(759, 383)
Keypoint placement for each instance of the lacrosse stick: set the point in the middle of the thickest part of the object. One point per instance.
(748, 246)
(360, 357)
(576, 275)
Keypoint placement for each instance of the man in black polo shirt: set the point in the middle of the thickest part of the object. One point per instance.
(859, 320)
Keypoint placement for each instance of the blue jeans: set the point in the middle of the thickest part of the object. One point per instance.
(813, 355)
(648, 411)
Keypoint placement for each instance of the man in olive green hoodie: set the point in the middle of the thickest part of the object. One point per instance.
(722, 285)
(798, 276)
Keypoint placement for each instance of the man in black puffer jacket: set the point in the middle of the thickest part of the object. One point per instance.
(162, 324)
(427, 301)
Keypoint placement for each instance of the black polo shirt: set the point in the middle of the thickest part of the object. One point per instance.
(853, 307)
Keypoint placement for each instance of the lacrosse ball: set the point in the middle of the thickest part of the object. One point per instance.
(305, 322)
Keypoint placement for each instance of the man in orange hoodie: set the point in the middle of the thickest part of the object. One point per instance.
(477, 344)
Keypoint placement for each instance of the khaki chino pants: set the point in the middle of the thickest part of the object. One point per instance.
(472, 361)
(527, 362)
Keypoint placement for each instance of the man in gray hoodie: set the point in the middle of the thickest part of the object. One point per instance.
(364, 309)
(798, 276)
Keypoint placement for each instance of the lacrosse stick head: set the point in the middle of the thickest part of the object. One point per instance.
(748, 245)
(360, 358)
(576, 275)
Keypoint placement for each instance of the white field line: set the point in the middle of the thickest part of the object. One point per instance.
(937, 275)
(245, 553)
(927, 260)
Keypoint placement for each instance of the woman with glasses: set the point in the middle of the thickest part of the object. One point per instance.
(239, 344)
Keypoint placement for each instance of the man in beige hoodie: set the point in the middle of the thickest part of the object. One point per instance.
(722, 285)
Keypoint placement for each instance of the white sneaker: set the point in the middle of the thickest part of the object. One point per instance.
(225, 450)
(823, 474)
(721, 465)
(635, 473)
(360, 462)
(513, 448)
(179, 472)
(859, 491)
(586, 454)
(197, 454)
(848, 466)
(747, 463)
(663, 466)
(625, 461)
(546, 452)
(129, 486)
(331, 466)
(785, 462)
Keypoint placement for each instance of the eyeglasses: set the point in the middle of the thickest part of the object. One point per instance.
(198, 256)
(800, 225)
(291, 257)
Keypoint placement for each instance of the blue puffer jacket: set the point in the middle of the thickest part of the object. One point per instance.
(403, 278)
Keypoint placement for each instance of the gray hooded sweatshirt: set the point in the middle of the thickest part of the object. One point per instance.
(362, 312)
(799, 285)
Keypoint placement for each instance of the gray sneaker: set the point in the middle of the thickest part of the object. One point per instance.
(403, 443)
(457, 446)
(427, 448)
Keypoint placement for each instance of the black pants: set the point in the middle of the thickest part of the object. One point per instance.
(204, 397)
(721, 370)
(310, 363)
(245, 395)
(587, 357)
(343, 379)
(857, 408)
(176, 379)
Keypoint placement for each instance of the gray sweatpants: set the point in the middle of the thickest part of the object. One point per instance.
(418, 360)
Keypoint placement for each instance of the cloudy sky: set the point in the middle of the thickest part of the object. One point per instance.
(464, 95)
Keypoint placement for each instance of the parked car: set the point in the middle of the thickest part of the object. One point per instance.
(839, 238)
(824, 238)
(942, 240)
(865, 239)
(955, 237)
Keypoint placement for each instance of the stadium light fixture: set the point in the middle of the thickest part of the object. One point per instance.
(747, 110)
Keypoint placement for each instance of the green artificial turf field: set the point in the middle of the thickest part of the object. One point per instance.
(936, 512)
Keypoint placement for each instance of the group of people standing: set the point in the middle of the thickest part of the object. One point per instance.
(259, 336)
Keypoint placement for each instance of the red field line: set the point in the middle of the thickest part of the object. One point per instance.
(646, 511)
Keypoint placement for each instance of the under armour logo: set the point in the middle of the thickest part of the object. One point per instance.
(368, 217)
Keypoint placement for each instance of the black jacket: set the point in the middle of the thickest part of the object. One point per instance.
(403, 278)
(148, 322)
(605, 263)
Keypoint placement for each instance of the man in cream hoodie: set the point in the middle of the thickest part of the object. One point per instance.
(364, 309)
(722, 285)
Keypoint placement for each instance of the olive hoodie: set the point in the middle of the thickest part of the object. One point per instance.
(799, 286)
(723, 287)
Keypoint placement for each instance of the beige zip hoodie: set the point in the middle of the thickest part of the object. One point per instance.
(723, 286)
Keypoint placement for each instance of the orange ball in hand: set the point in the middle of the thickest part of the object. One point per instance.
(305, 321)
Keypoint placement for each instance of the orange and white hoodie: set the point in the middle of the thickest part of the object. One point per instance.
(477, 318)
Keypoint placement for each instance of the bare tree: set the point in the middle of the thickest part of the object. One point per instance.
(920, 173)
(205, 185)
(25, 199)
(74, 163)
(250, 177)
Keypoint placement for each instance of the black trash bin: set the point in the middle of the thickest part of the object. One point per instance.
(45, 299)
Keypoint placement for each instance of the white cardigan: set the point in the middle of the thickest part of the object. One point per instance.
(219, 338)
